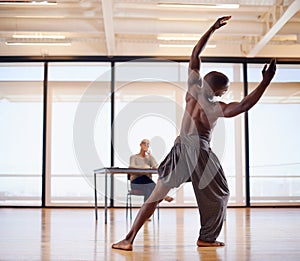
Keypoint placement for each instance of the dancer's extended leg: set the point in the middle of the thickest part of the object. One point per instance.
(159, 193)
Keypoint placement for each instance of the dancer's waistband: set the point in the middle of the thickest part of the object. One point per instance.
(193, 140)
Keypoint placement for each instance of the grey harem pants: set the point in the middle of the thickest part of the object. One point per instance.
(191, 159)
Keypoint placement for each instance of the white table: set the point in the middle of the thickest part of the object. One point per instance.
(111, 171)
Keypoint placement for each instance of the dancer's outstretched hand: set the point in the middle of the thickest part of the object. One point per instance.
(268, 73)
(221, 22)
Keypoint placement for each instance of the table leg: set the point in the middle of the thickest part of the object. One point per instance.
(105, 199)
(112, 191)
(95, 191)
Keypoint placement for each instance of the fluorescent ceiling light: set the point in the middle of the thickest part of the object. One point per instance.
(24, 2)
(40, 16)
(38, 43)
(185, 45)
(194, 5)
(178, 38)
(38, 36)
(182, 19)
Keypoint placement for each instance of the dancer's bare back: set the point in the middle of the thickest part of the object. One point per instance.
(200, 114)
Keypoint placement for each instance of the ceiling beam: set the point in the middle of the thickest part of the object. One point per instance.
(152, 26)
(107, 11)
(288, 14)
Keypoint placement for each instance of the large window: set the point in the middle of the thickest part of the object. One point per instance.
(21, 133)
(148, 105)
(79, 130)
(147, 102)
(274, 138)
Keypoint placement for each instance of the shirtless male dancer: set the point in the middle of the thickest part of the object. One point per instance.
(191, 157)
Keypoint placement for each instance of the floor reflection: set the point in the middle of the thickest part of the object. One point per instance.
(72, 234)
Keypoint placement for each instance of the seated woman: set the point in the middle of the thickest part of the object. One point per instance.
(144, 159)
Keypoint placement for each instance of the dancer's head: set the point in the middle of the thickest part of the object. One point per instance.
(215, 83)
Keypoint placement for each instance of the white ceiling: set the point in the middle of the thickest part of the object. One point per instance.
(258, 28)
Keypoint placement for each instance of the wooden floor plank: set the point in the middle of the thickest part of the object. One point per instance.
(260, 234)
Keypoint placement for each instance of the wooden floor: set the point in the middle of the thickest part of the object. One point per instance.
(260, 234)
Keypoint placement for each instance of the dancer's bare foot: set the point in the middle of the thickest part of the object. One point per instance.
(169, 199)
(201, 243)
(123, 245)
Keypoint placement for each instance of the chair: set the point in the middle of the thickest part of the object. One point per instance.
(134, 192)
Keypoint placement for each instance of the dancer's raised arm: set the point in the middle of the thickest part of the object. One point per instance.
(234, 108)
(194, 64)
